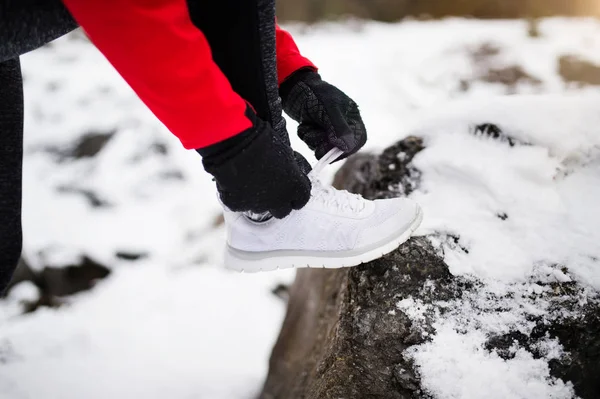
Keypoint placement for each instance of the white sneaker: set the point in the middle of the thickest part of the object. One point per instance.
(335, 229)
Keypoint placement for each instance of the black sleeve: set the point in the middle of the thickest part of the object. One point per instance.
(28, 24)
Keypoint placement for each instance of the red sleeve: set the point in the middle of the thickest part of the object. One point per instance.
(168, 63)
(289, 59)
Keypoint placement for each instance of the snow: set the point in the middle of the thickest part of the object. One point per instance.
(150, 332)
(546, 188)
(173, 325)
(481, 372)
(177, 325)
(558, 171)
(456, 362)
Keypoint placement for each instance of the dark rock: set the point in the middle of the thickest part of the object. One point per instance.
(384, 176)
(131, 256)
(90, 145)
(57, 282)
(345, 337)
(494, 131)
(486, 69)
(70, 279)
(576, 70)
(405, 378)
(504, 345)
(509, 76)
(87, 146)
(580, 337)
(92, 198)
(502, 216)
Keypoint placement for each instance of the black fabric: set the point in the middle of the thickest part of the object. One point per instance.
(24, 26)
(241, 34)
(11, 158)
(328, 118)
(257, 172)
(28, 24)
(229, 145)
(238, 141)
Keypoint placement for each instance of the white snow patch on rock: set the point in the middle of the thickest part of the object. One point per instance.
(515, 207)
(513, 213)
(455, 365)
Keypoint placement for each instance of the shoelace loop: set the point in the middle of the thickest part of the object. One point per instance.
(328, 195)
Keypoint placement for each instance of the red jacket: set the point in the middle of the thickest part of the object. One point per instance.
(175, 76)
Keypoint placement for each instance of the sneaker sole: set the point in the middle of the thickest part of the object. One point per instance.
(254, 262)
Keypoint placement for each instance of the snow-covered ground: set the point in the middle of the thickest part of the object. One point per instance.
(176, 325)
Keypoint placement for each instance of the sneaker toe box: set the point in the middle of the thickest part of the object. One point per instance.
(392, 218)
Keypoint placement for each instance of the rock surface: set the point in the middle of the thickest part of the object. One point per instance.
(345, 337)
(57, 282)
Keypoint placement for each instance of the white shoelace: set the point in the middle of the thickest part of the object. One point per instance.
(327, 194)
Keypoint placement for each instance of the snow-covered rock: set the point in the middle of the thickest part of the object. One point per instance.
(499, 298)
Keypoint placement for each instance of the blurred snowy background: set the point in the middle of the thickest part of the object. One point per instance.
(106, 186)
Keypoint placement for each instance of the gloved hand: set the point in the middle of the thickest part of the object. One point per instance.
(328, 118)
(255, 171)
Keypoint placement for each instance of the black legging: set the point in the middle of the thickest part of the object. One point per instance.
(241, 34)
(24, 26)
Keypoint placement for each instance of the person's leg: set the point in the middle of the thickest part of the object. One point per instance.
(11, 157)
(241, 34)
(28, 24)
(24, 26)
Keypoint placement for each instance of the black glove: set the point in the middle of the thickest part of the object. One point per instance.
(328, 118)
(255, 171)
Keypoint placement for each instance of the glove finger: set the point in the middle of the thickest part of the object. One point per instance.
(317, 140)
(345, 131)
(349, 133)
(303, 164)
(357, 126)
(296, 192)
(313, 135)
(302, 196)
(281, 212)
